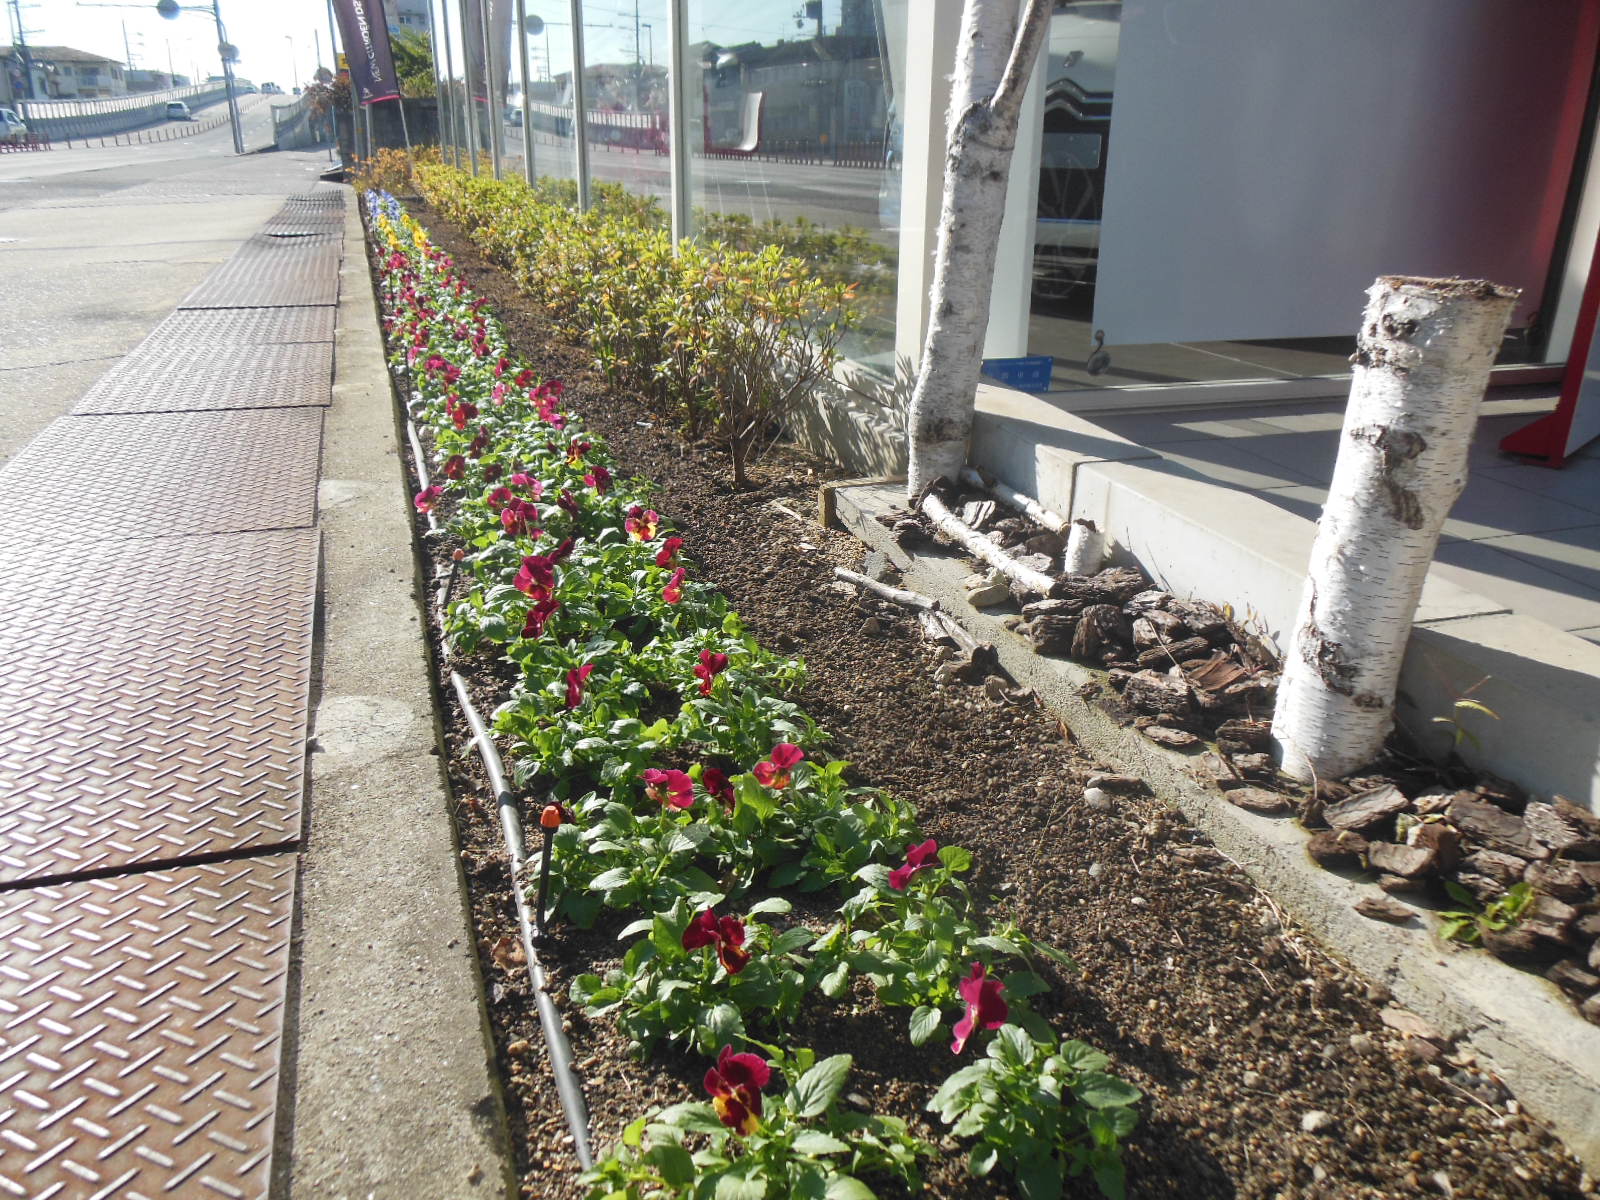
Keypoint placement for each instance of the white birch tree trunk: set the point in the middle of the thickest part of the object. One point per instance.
(1421, 365)
(994, 59)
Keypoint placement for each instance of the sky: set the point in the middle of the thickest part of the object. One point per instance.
(277, 39)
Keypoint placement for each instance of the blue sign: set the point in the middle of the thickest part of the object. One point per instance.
(1030, 374)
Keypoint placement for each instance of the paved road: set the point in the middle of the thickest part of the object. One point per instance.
(98, 244)
(767, 191)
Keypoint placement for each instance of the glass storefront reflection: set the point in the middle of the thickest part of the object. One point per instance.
(1079, 144)
(625, 93)
(546, 131)
(794, 139)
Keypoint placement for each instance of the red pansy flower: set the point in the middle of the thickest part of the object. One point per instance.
(519, 516)
(575, 683)
(428, 497)
(985, 1008)
(561, 551)
(566, 501)
(918, 858)
(492, 471)
(710, 666)
(599, 479)
(717, 786)
(668, 549)
(778, 769)
(643, 525)
(479, 443)
(463, 413)
(455, 467)
(539, 617)
(734, 1086)
(673, 592)
(726, 934)
(537, 576)
(499, 498)
(576, 451)
(669, 787)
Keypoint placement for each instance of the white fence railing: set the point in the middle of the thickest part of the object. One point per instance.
(86, 118)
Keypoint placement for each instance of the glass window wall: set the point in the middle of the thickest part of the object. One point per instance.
(626, 51)
(792, 132)
(546, 133)
(1178, 205)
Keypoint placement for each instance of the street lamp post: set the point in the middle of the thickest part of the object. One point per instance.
(294, 69)
(170, 10)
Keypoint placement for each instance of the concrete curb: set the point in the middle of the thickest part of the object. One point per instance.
(1521, 1026)
(393, 1091)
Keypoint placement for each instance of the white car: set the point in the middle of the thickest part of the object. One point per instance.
(177, 110)
(12, 127)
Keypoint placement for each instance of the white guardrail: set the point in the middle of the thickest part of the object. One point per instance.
(87, 118)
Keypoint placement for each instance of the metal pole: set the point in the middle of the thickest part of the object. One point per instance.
(493, 109)
(450, 82)
(580, 112)
(466, 81)
(677, 118)
(294, 69)
(404, 132)
(227, 78)
(438, 86)
(522, 55)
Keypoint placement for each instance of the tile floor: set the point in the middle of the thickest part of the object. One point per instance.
(1521, 534)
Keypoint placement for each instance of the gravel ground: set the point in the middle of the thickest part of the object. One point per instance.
(1237, 1026)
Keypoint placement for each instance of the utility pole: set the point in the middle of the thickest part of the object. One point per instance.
(638, 61)
(127, 49)
(23, 55)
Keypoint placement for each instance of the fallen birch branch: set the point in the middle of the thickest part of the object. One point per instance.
(980, 547)
(898, 595)
(1026, 505)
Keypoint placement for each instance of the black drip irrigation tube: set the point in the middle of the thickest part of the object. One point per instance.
(567, 1085)
(530, 926)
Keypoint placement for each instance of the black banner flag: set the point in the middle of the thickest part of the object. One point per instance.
(366, 46)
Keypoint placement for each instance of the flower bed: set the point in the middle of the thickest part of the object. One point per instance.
(1236, 1027)
(642, 705)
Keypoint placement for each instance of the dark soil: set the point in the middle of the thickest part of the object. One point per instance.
(1234, 1023)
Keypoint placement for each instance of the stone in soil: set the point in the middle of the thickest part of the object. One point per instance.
(1563, 828)
(1574, 978)
(1410, 861)
(1259, 800)
(1338, 850)
(1366, 810)
(1173, 739)
(1381, 908)
(1492, 826)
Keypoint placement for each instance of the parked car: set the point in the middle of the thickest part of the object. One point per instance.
(177, 110)
(12, 127)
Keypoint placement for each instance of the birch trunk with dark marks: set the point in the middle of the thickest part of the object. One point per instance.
(1421, 365)
(999, 41)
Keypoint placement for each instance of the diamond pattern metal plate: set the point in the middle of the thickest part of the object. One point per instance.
(238, 327)
(153, 699)
(271, 273)
(164, 474)
(228, 377)
(141, 1022)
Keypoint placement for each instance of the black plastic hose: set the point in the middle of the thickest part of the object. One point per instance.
(568, 1087)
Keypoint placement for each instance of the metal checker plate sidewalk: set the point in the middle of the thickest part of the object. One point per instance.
(221, 378)
(272, 273)
(166, 474)
(152, 699)
(305, 218)
(238, 327)
(141, 1022)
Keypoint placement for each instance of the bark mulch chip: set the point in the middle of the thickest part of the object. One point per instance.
(1267, 1069)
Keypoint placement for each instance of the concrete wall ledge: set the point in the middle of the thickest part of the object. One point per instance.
(1520, 1025)
(1200, 538)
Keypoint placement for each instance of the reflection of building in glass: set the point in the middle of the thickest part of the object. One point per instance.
(823, 93)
